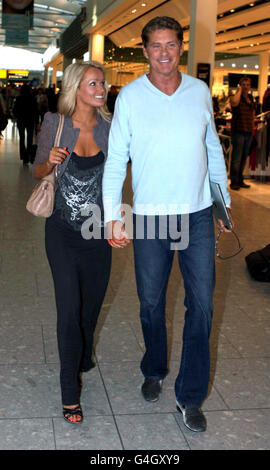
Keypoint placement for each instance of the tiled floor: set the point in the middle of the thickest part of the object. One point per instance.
(116, 416)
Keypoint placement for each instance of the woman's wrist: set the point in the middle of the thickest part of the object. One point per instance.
(49, 164)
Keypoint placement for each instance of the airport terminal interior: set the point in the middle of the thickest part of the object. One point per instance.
(116, 416)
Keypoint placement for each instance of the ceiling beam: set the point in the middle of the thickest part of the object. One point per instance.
(235, 45)
(244, 32)
(53, 13)
(256, 13)
(228, 5)
(253, 50)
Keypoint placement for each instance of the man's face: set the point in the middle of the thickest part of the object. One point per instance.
(246, 85)
(163, 52)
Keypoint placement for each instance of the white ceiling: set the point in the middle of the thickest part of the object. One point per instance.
(236, 30)
(51, 18)
(242, 32)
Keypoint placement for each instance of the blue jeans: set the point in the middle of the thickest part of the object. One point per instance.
(241, 142)
(153, 263)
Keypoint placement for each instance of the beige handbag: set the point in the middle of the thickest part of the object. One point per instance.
(41, 201)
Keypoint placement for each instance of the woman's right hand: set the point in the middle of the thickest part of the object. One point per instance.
(57, 155)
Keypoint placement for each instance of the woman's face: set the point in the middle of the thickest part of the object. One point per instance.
(92, 88)
(18, 4)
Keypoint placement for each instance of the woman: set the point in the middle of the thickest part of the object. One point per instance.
(80, 266)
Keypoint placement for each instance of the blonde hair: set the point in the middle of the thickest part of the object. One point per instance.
(72, 78)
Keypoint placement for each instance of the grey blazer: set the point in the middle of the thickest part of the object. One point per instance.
(68, 139)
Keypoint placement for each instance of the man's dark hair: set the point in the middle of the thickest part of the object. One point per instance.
(161, 22)
(244, 79)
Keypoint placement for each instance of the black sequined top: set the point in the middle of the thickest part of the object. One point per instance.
(79, 187)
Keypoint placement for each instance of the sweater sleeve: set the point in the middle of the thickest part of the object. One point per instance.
(45, 139)
(216, 161)
(116, 163)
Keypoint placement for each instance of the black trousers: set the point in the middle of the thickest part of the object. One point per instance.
(80, 270)
(25, 151)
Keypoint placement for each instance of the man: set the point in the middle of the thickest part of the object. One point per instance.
(241, 130)
(266, 100)
(265, 108)
(164, 122)
(3, 117)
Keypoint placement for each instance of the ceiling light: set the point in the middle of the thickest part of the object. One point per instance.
(232, 10)
(221, 64)
(256, 66)
(251, 4)
(245, 66)
(133, 11)
(233, 65)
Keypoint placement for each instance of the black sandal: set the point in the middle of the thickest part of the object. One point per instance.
(69, 413)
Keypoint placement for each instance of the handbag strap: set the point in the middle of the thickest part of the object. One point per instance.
(59, 130)
(58, 137)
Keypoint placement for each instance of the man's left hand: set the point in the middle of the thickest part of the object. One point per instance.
(221, 225)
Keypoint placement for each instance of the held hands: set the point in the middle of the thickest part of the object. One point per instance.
(118, 237)
(57, 155)
(117, 233)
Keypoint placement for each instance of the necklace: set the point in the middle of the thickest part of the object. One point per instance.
(179, 79)
(85, 124)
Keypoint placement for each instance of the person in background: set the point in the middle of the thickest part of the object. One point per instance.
(52, 98)
(3, 118)
(265, 109)
(80, 265)
(257, 106)
(42, 104)
(215, 102)
(112, 95)
(242, 124)
(266, 100)
(26, 113)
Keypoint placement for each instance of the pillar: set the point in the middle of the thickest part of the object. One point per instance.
(202, 36)
(66, 62)
(263, 76)
(96, 47)
(46, 77)
(53, 79)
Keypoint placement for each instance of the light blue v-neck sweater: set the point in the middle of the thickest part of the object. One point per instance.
(173, 146)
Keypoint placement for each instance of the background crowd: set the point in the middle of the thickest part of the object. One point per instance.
(26, 105)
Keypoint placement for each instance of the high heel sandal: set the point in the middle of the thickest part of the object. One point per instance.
(71, 413)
